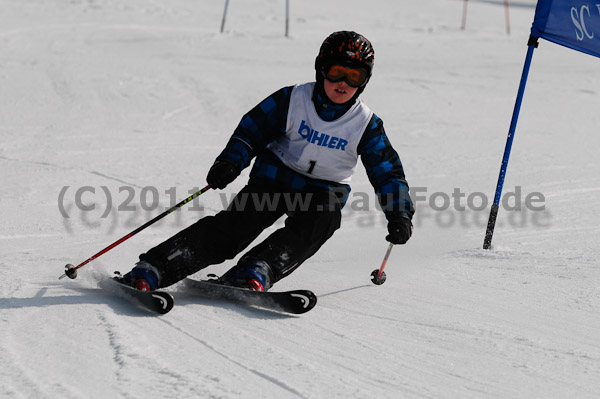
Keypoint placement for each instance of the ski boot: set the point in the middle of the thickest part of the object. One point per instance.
(143, 276)
(254, 275)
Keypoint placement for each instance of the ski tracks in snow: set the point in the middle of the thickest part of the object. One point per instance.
(229, 358)
(282, 352)
(179, 360)
(134, 362)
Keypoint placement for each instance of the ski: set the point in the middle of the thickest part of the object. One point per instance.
(156, 301)
(296, 302)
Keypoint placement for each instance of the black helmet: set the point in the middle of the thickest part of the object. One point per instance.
(346, 48)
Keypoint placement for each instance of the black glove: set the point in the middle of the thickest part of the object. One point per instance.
(399, 227)
(221, 174)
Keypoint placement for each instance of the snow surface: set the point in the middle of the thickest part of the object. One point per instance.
(118, 96)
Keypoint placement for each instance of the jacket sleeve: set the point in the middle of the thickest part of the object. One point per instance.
(257, 129)
(385, 170)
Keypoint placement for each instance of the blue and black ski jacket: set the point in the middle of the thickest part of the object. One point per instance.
(268, 120)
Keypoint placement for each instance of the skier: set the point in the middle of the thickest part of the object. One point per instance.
(306, 139)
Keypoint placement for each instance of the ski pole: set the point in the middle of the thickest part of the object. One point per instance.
(489, 232)
(224, 16)
(378, 275)
(507, 17)
(71, 271)
(464, 16)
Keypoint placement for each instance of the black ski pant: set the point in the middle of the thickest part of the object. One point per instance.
(312, 218)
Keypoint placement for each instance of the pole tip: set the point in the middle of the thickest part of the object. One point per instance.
(376, 278)
(70, 271)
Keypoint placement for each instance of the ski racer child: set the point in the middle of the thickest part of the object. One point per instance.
(306, 140)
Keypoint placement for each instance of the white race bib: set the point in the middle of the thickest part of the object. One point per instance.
(317, 148)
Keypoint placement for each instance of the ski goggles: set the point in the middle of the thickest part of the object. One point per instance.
(354, 76)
